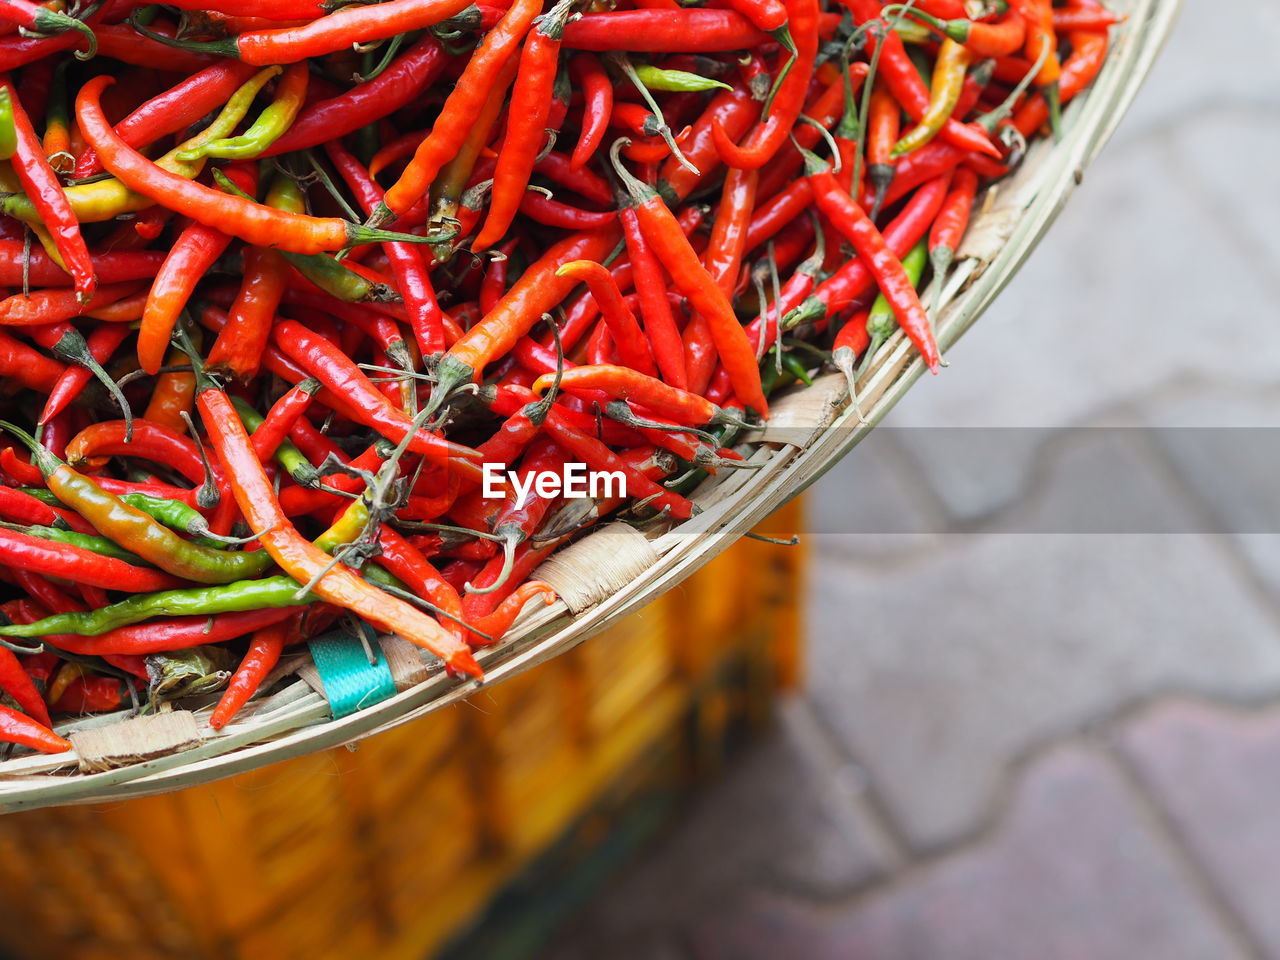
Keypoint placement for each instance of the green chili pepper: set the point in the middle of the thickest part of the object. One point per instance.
(191, 601)
(8, 132)
(881, 322)
(137, 531)
(796, 367)
(270, 126)
(287, 454)
(676, 81)
(86, 541)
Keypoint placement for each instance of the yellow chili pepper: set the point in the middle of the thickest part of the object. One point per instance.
(270, 126)
(948, 81)
(106, 199)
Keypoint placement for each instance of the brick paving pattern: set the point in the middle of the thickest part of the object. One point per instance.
(1043, 716)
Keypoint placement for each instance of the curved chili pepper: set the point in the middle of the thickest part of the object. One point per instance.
(302, 560)
(1088, 53)
(42, 20)
(268, 128)
(625, 330)
(788, 101)
(597, 105)
(238, 348)
(173, 110)
(16, 682)
(1040, 36)
(192, 254)
(263, 654)
(463, 102)
(526, 124)
(253, 222)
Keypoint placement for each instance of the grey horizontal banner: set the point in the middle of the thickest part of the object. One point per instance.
(1095, 480)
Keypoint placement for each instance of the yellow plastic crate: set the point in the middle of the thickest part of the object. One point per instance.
(390, 848)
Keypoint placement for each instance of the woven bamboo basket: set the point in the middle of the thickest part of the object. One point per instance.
(507, 806)
(617, 569)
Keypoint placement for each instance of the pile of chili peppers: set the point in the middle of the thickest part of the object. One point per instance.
(283, 277)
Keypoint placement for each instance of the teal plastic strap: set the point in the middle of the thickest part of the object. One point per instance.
(350, 681)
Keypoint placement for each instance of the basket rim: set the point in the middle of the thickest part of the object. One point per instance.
(303, 726)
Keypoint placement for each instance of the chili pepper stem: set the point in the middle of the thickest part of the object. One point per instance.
(1054, 100)
(509, 543)
(51, 21)
(73, 347)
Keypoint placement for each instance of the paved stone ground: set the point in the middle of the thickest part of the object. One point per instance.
(1043, 714)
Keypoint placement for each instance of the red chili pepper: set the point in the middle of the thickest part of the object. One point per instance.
(953, 219)
(327, 363)
(192, 254)
(1088, 53)
(623, 327)
(622, 383)
(552, 213)
(15, 681)
(263, 654)
(659, 320)
(732, 112)
(723, 256)
(855, 278)
(44, 188)
(299, 557)
(1065, 21)
(18, 728)
(672, 248)
(559, 169)
(526, 125)
(664, 31)
(788, 101)
(329, 120)
(78, 565)
(454, 121)
(327, 34)
(412, 273)
(28, 367)
(597, 105)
